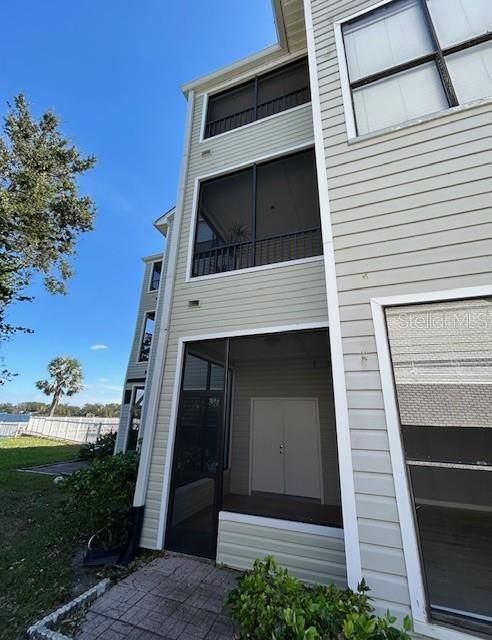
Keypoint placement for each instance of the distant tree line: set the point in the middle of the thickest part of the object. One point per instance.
(111, 410)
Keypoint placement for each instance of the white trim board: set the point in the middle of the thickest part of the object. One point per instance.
(408, 528)
(221, 172)
(166, 480)
(285, 525)
(347, 488)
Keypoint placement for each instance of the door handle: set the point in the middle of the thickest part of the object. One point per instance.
(281, 449)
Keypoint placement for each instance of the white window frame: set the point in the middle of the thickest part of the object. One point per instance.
(142, 332)
(418, 600)
(151, 273)
(347, 100)
(238, 80)
(194, 216)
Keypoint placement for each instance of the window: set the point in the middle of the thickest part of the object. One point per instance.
(261, 215)
(155, 277)
(410, 58)
(442, 362)
(148, 332)
(258, 98)
(134, 419)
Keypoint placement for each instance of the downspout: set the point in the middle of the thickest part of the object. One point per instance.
(161, 350)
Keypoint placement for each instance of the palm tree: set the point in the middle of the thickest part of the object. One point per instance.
(66, 379)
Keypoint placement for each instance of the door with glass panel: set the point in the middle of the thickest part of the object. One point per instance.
(196, 482)
(442, 362)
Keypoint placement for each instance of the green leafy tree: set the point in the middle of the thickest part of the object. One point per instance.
(66, 379)
(41, 212)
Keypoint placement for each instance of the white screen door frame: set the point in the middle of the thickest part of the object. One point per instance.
(314, 402)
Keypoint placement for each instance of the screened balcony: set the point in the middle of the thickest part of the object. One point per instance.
(264, 214)
(263, 96)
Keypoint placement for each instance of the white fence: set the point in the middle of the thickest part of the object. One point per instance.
(11, 428)
(70, 429)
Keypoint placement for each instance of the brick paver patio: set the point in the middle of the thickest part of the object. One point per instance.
(171, 598)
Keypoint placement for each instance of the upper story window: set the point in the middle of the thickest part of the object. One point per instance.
(258, 98)
(410, 58)
(155, 277)
(148, 332)
(264, 214)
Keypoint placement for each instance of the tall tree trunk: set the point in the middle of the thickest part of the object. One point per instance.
(54, 402)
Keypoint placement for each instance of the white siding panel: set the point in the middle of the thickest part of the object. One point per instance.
(312, 558)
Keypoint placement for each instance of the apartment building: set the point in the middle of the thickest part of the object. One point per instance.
(323, 366)
(142, 351)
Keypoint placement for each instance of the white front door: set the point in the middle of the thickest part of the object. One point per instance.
(267, 463)
(285, 446)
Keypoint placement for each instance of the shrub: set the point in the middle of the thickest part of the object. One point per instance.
(270, 604)
(100, 498)
(103, 447)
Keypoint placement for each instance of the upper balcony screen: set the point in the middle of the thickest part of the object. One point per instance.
(258, 98)
(266, 213)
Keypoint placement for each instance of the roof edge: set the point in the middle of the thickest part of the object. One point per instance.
(235, 66)
(278, 16)
(153, 257)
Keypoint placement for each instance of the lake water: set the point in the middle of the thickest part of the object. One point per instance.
(14, 417)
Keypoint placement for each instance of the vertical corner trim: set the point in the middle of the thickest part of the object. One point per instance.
(347, 488)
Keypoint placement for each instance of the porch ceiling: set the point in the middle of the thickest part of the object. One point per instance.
(294, 345)
(282, 346)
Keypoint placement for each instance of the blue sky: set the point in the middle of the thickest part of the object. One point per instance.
(111, 70)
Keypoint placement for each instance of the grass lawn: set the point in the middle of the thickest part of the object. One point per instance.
(35, 545)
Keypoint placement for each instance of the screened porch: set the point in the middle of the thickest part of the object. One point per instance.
(255, 435)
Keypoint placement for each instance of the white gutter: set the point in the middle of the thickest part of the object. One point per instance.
(162, 340)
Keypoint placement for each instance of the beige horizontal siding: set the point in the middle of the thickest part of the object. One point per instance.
(410, 213)
(318, 558)
(237, 301)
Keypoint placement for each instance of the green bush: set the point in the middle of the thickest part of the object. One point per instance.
(99, 499)
(270, 604)
(102, 448)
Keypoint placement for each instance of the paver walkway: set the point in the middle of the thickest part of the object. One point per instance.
(171, 598)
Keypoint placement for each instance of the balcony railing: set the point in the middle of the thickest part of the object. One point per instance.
(241, 255)
(263, 110)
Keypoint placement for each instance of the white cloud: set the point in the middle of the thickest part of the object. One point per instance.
(113, 387)
(103, 379)
(99, 347)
